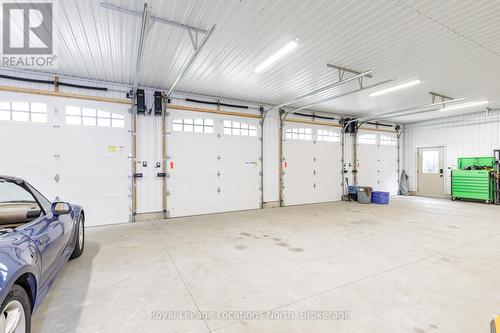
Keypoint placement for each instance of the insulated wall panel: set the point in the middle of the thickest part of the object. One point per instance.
(471, 135)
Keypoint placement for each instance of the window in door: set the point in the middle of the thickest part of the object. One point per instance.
(430, 161)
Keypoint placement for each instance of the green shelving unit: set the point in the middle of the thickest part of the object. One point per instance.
(496, 177)
(473, 184)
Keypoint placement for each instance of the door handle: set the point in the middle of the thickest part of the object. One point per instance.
(44, 240)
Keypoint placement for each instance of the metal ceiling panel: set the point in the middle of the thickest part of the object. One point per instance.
(452, 46)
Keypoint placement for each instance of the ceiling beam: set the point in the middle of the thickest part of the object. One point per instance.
(190, 62)
(320, 90)
(342, 95)
(140, 47)
(342, 70)
(403, 112)
(153, 18)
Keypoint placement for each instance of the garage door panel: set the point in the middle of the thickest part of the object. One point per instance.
(94, 170)
(389, 176)
(28, 152)
(89, 166)
(214, 172)
(377, 162)
(193, 166)
(312, 167)
(298, 166)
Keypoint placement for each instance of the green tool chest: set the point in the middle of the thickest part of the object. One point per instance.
(473, 179)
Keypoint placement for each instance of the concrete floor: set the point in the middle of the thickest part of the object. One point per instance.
(418, 265)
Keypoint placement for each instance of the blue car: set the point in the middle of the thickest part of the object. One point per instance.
(37, 238)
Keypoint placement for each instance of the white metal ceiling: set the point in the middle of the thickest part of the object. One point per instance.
(452, 46)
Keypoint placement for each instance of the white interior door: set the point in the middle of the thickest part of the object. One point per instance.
(430, 171)
(377, 161)
(214, 163)
(312, 164)
(71, 151)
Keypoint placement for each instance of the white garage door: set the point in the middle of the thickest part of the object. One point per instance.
(213, 163)
(377, 161)
(69, 152)
(312, 164)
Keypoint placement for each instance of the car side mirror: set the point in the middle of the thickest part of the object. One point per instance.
(61, 208)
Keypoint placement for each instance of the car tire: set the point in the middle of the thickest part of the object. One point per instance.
(17, 304)
(80, 238)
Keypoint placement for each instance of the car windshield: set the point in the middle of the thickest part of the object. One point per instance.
(17, 205)
(11, 193)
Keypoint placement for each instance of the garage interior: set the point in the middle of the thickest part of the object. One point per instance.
(267, 166)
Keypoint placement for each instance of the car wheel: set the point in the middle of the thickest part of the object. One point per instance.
(16, 312)
(80, 238)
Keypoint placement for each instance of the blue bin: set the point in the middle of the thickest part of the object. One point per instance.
(381, 198)
(353, 190)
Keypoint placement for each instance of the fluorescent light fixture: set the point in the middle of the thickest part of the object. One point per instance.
(394, 88)
(463, 106)
(278, 55)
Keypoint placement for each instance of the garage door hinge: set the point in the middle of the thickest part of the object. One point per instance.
(57, 178)
(314, 185)
(314, 172)
(218, 190)
(218, 173)
(168, 193)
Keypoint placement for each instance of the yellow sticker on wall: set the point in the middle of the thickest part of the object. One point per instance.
(115, 149)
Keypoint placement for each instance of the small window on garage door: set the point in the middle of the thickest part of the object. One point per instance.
(387, 140)
(299, 133)
(88, 117)
(23, 112)
(328, 136)
(193, 125)
(239, 128)
(368, 139)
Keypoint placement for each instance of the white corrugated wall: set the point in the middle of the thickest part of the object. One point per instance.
(271, 156)
(471, 135)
